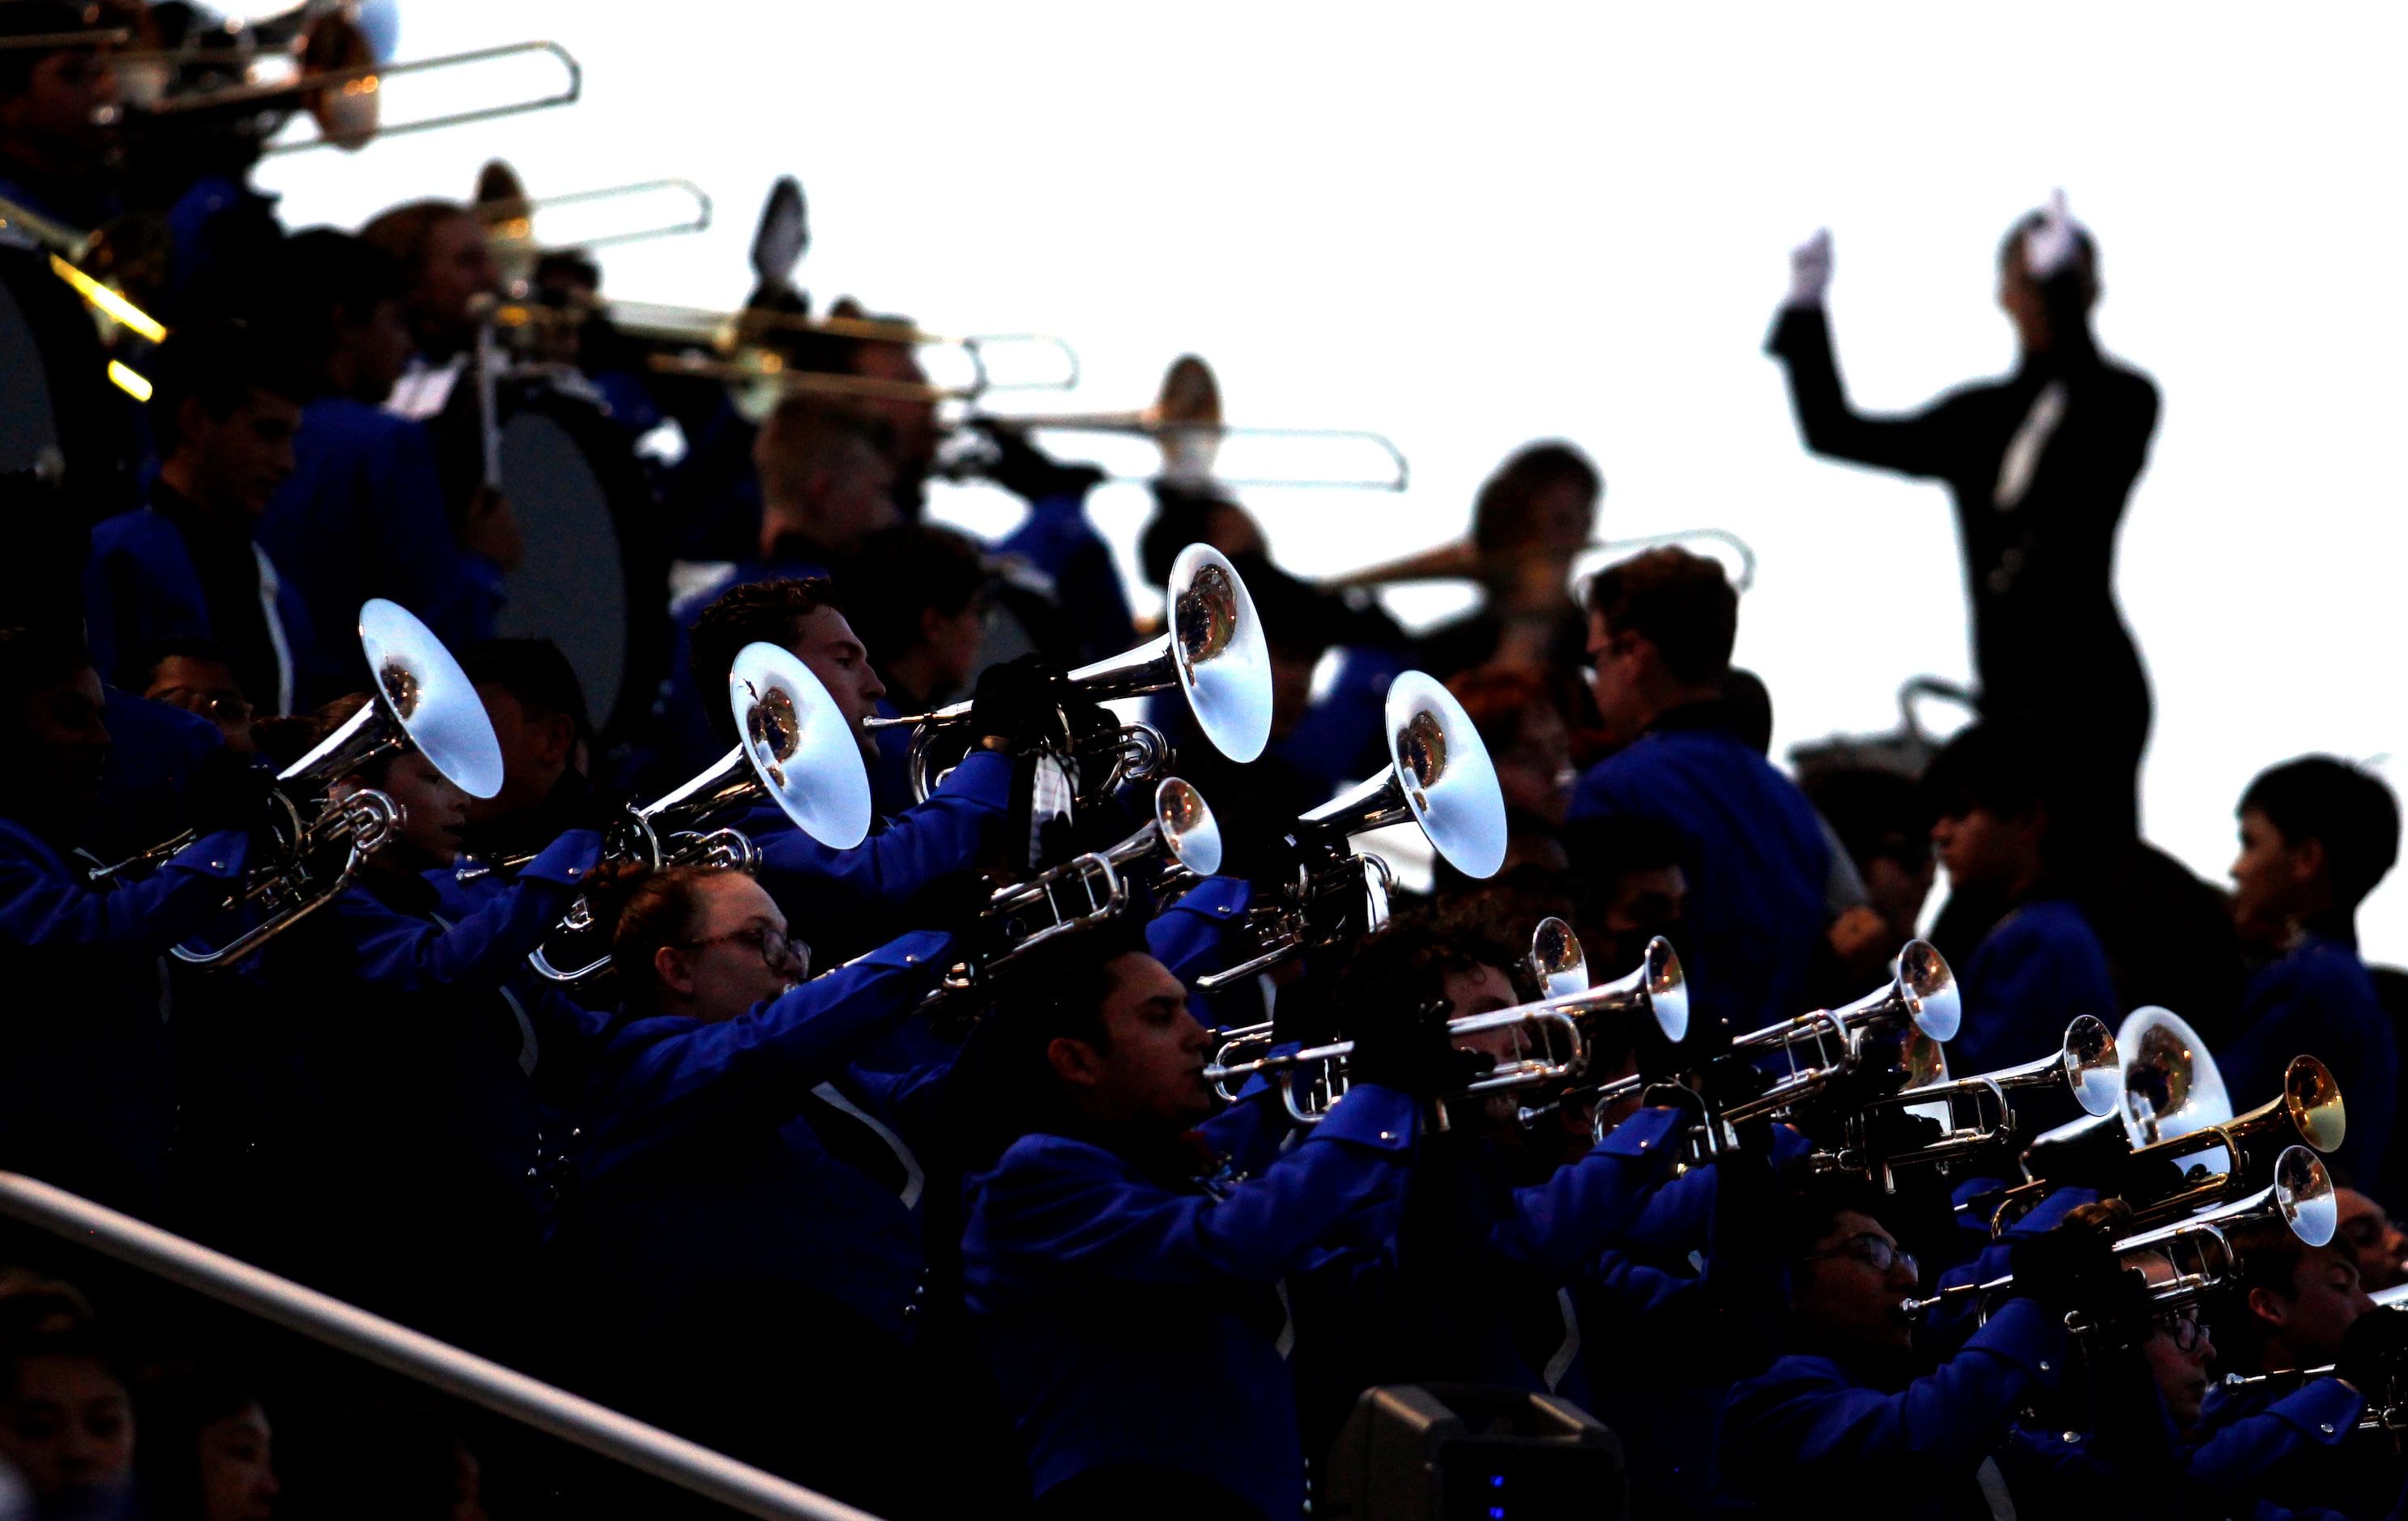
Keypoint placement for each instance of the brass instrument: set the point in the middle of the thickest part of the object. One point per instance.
(421, 700)
(796, 751)
(1186, 424)
(2086, 1064)
(508, 214)
(2167, 1086)
(1214, 654)
(1840, 1042)
(1464, 560)
(2198, 1245)
(1439, 776)
(2308, 1112)
(323, 66)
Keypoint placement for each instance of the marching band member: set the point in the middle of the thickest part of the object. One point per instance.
(754, 1198)
(2316, 836)
(364, 513)
(196, 674)
(54, 136)
(537, 709)
(225, 408)
(2040, 466)
(1992, 792)
(1530, 522)
(1093, 1211)
(85, 1098)
(423, 1042)
(1841, 1403)
(1660, 630)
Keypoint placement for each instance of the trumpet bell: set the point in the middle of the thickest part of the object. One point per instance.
(1447, 779)
(1217, 647)
(2092, 1067)
(2171, 1084)
(1189, 831)
(1667, 990)
(429, 697)
(1557, 963)
(800, 745)
(2303, 1191)
(1935, 1002)
(2312, 1100)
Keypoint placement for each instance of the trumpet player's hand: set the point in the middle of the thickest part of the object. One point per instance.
(2373, 1350)
(1016, 703)
(228, 793)
(2072, 1267)
(1810, 270)
(1414, 1054)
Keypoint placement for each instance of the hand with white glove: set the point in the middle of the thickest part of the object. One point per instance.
(1810, 270)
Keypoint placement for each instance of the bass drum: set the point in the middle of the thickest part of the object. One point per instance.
(591, 577)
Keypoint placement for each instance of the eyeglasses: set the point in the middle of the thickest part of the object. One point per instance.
(1879, 1253)
(781, 954)
(2186, 1330)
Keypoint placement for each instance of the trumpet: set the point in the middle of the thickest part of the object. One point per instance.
(2167, 1086)
(2198, 1247)
(1439, 776)
(325, 67)
(1214, 654)
(796, 751)
(1922, 992)
(421, 700)
(2308, 1112)
(1465, 560)
(1185, 424)
(2086, 1065)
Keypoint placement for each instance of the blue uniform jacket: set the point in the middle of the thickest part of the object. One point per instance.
(1059, 541)
(139, 587)
(363, 515)
(1129, 1323)
(699, 1166)
(1808, 1427)
(2033, 972)
(845, 899)
(1756, 857)
(2291, 1454)
(85, 1097)
(2319, 1001)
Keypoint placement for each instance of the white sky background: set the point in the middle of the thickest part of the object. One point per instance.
(1467, 227)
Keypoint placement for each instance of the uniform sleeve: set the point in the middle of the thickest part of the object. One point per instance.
(945, 834)
(1058, 539)
(762, 1063)
(2304, 1430)
(1812, 1430)
(418, 562)
(1043, 1214)
(44, 902)
(1565, 1222)
(487, 946)
(1917, 443)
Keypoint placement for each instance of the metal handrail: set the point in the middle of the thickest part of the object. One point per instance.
(415, 1354)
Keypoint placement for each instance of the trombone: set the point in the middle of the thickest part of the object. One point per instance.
(796, 751)
(420, 701)
(1214, 652)
(2198, 1246)
(508, 213)
(1438, 777)
(1464, 560)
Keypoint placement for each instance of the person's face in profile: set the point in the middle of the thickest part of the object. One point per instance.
(433, 812)
(237, 1468)
(56, 115)
(208, 688)
(1849, 1292)
(2368, 1235)
(2275, 883)
(824, 642)
(2178, 1350)
(456, 268)
(1149, 1071)
(238, 460)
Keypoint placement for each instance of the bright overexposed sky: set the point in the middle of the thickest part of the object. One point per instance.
(1470, 226)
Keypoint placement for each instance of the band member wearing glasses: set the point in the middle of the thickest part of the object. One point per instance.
(1121, 1280)
(757, 1199)
(425, 1039)
(85, 1098)
(1755, 855)
(2041, 466)
(1845, 1402)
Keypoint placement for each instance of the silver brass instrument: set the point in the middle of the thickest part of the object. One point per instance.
(1655, 988)
(421, 700)
(1464, 560)
(2086, 1065)
(2308, 1112)
(509, 215)
(2167, 1086)
(1557, 964)
(796, 750)
(1090, 888)
(1214, 654)
(1438, 777)
(2198, 1245)
(1838, 1042)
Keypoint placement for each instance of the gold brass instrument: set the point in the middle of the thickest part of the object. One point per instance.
(2308, 1112)
(509, 215)
(1838, 1043)
(421, 700)
(1438, 777)
(796, 751)
(1978, 1112)
(110, 307)
(1463, 560)
(742, 348)
(1214, 654)
(323, 66)
(2198, 1246)
(1185, 424)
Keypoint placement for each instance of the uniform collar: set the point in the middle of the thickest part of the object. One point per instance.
(1707, 713)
